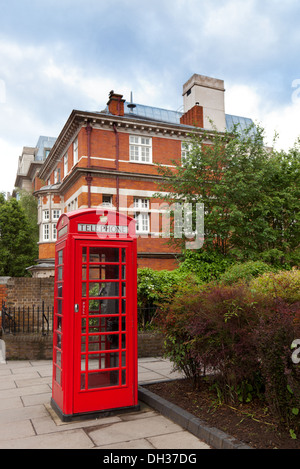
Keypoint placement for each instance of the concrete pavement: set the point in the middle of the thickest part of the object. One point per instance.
(28, 422)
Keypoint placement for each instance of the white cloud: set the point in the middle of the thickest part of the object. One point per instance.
(242, 100)
(283, 119)
(8, 163)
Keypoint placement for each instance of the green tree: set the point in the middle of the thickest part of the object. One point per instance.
(29, 203)
(250, 194)
(17, 247)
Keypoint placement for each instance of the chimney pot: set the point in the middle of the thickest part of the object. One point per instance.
(116, 104)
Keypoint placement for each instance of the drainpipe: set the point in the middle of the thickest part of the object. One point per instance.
(89, 178)
(117, 166)
(88, 130)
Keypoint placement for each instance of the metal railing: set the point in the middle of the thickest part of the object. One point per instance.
(39, 319)
(27, 320)
(146, 317)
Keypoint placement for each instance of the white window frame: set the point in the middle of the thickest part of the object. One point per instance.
(54, 232)
(141, 203)
(46, 232)
(75, 151)
(141, 215)
(46, 215)
(140, 149)
(185, 151)
(107, 203)
(142, 222)
(56, 212)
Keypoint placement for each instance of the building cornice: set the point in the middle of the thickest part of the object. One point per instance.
(103, 120)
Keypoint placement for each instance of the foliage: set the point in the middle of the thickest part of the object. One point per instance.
(17, 248)
(244, 272)
(173, 320)
(214, 324)
(283, 284)
(206, 265)
(29, 203)
(158, 286)
(274, 336)
(251, 195)
(242, 338)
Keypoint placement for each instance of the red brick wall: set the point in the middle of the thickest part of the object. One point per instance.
(3, 293)
(103, 155)
(28, 291)
(3, 297)
(157, 263)
(193, 117)
(46, 250)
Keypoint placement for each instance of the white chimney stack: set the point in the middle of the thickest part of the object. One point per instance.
(208, 93)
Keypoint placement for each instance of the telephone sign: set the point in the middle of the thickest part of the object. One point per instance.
(95, 314)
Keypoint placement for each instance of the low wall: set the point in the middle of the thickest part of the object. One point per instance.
(28, 346)
(28, 291)
(150, 344)
(38, 347)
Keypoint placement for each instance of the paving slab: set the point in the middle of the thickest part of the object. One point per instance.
(25, 391)
(141, 443)
(22, 413)
(36, 399)
(27, 420)
(69, 439)
(122, 432)
(10, 431)
(11, 403)
(179, 440)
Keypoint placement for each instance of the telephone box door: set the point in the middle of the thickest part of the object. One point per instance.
(105, 348)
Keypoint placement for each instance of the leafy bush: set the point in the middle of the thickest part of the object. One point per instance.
(206, 265)
(284, 284)
(244, 272)
(243, 338)
(211, 326)
(154, 287)
(274, 335)
(173, 320)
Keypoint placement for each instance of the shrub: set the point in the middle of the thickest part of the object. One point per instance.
(207, 266)
(155, 287)
(284, 284)
(222, 339)
(241, 337)
(209, 329)
(173, 320)
(244, 272)
(274, 335)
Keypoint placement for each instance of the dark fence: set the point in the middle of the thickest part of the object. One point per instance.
(26, 320)
(146, 317)
(39, 319)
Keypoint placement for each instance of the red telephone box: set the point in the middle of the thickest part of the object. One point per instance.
(95, 314)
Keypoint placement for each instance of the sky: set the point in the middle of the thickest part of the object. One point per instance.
(60, 55)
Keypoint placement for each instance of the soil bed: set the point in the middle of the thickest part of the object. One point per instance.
(250, 423)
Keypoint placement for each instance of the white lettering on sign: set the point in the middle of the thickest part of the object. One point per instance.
(102, 228)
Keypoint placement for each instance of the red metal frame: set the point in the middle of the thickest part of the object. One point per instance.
(95, 314)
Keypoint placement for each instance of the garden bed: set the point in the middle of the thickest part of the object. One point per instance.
(249, 423)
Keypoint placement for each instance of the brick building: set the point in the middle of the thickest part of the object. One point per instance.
(108, 159)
